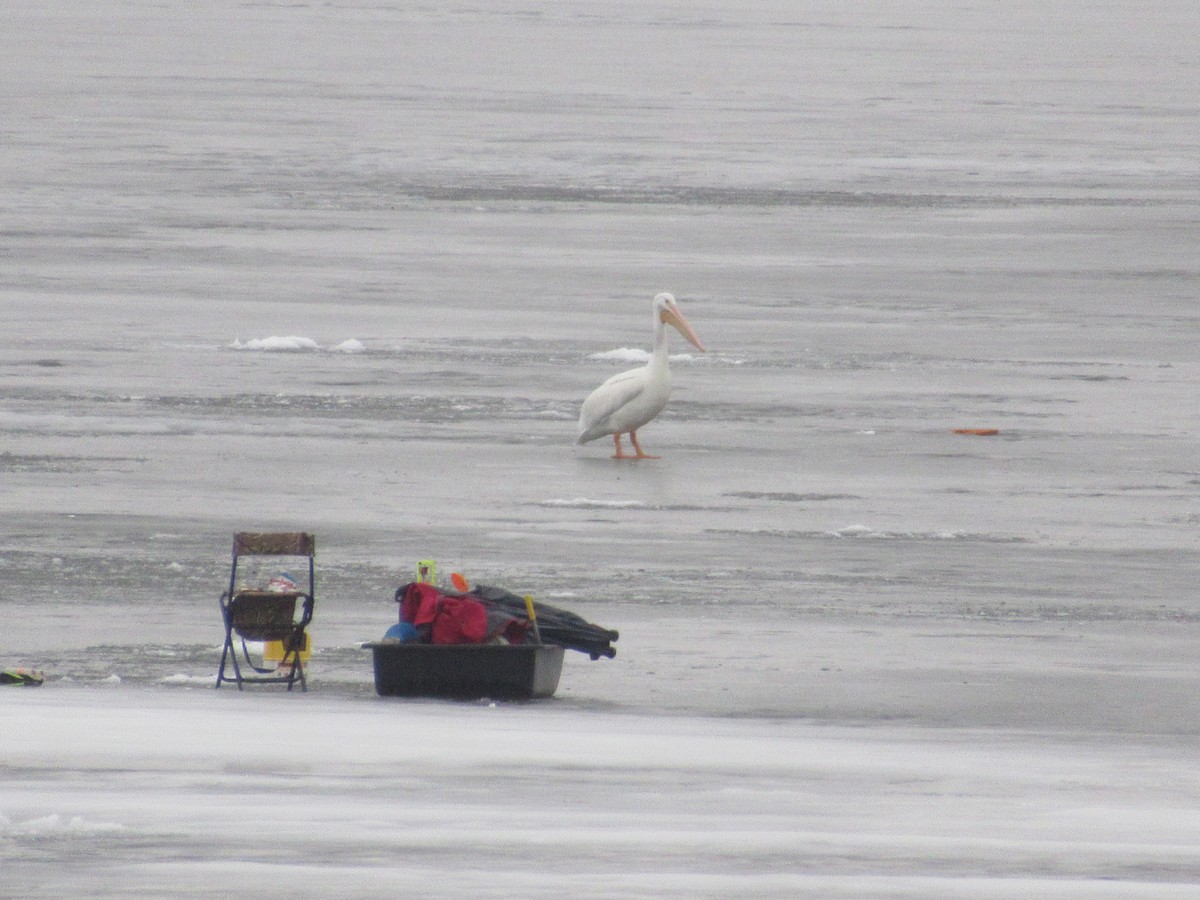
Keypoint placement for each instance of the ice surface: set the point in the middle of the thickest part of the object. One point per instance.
(860, 655)
(199, 793)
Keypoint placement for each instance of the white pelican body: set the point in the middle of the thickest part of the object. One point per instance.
(627, 401)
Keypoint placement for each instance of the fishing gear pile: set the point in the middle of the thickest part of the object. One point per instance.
(487, 614)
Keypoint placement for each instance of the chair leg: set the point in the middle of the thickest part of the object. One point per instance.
(228, 653)
(293, 646)
(237, 669)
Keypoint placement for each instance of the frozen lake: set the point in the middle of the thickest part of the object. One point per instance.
(861, 655)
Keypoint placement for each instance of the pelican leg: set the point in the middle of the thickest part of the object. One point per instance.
(638, 447)
(620, 454)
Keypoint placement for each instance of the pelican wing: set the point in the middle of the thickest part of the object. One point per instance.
(608, 399)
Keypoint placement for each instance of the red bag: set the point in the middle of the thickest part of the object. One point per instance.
(459, 621)
(452, 620)
(419, 605)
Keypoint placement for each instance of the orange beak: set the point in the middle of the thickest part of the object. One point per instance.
(675, 318)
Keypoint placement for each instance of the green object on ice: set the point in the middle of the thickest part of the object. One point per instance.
(26, 677)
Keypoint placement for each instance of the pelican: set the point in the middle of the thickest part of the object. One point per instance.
(626, 402)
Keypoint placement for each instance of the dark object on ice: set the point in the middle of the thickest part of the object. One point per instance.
(459, 655)
(22, 677)
(557, 626)
(466, 671)
(267, 615)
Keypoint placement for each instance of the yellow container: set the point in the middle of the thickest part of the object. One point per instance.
(273, 651)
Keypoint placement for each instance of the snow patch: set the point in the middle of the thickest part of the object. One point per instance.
(862, 531)
(634, 355)
(54, 824)
(622, 354)
(853, 531)
(276, 343)
(186, 680)
(587, 503)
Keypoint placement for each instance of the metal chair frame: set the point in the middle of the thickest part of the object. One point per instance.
(264, 615)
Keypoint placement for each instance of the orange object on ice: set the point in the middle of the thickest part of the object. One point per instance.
(982, 432)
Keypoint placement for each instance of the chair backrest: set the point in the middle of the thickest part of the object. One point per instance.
(274, 543)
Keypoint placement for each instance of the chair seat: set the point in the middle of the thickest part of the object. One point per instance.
(264, 615)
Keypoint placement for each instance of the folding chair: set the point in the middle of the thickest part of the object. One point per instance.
(267, 615)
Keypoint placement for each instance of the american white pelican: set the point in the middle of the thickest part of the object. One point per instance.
(626, 402)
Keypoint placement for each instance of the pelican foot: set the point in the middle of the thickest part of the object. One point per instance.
(621, 454)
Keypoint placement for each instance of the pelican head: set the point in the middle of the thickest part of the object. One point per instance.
(666, 312)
